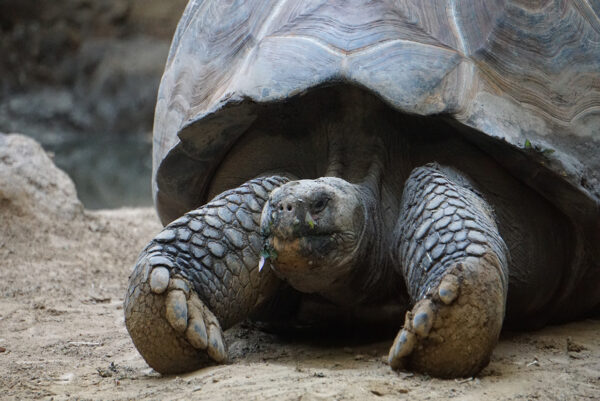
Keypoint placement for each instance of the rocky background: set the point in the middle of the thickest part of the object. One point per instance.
(81, 76)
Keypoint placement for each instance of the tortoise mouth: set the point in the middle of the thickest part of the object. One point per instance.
(311, 263)
(312, 250)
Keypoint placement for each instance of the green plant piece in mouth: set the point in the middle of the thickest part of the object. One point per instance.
(267, 253)
(309, 220)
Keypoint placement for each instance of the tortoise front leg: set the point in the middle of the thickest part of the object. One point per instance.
(198, 277)
(455, 266)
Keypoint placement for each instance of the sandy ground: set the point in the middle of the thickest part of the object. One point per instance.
(62, 336)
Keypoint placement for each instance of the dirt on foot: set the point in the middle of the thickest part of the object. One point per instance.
(63, 277)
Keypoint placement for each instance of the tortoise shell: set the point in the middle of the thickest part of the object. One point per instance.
(521, 79)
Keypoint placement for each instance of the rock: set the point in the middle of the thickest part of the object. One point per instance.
(81, 78)
(30, 183)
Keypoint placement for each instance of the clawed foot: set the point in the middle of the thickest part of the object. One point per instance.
(188, 315)
(452, 331)
(199, 276)
(172, 327)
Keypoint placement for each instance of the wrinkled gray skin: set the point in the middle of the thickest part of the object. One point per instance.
(378, 231)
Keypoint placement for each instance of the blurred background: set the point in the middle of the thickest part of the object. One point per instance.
(81, 77)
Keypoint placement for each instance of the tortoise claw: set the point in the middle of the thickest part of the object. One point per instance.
(176, 310)
(216, 345)
(423, 317)
(196, 333)
(403, 345)
(159, 280)
(448, 289)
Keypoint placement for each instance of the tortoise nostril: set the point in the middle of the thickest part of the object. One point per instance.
(286, 206)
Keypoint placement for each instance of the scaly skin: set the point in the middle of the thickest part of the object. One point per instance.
(455, 266)
(198, 277)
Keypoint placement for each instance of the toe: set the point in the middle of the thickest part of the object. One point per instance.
(216, 345)
(448, 289)
(196, 333)
(423, 318)
(403, 345)
(196, 330)
(159, 279)
(179, 284)
(176, 310)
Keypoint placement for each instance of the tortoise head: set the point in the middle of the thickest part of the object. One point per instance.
(314, 231)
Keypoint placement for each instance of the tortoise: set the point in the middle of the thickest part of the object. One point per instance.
(430, 164)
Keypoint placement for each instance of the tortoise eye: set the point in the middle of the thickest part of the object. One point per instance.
(320, 204)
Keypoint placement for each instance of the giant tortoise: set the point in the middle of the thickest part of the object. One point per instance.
(431, 164)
